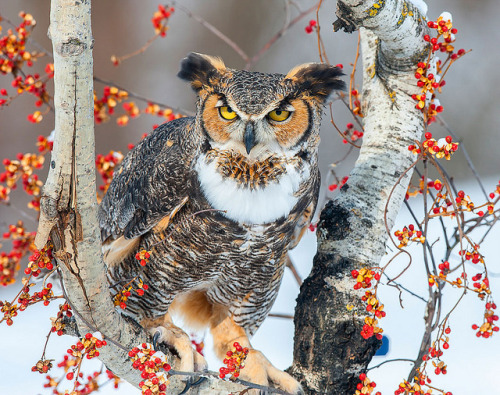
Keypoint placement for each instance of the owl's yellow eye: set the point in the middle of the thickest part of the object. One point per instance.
(227, 113)
(279, 115)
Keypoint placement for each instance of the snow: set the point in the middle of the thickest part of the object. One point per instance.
(473, 363)
(446, 16)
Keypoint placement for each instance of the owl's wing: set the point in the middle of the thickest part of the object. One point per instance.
(151, 185)
(308, 213)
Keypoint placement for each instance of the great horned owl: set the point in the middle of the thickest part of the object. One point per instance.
(219, 199)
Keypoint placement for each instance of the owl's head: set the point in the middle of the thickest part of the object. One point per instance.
(258, 114)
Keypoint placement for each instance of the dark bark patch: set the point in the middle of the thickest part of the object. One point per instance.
(333, 222)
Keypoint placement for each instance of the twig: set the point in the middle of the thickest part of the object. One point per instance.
(277, 36)
(144, 99)
(291, 266)
(213, 30)
(391, 360)
(278, 315)
(338, 130)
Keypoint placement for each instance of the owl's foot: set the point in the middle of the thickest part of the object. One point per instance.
(260, 371)
(175, 338)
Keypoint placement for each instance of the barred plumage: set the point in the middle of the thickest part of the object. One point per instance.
(219, 199)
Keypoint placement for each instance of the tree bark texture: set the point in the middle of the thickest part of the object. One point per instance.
(68, 205)
(329, 352)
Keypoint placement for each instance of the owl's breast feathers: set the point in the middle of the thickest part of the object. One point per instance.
(252, 175)
(256, 192)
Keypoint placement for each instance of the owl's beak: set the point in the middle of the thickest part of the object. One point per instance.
(249, 137)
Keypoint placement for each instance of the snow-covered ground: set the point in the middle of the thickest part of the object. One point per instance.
(473, 364)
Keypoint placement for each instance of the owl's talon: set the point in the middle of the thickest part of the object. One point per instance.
(191, 383)
(176, 338)
(260, 371)
(156, 336)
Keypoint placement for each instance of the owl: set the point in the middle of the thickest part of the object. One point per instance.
(219, 199)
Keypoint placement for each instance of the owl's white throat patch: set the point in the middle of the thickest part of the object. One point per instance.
(259, 205)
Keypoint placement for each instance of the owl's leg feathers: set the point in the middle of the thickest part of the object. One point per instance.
(257, 368)
(174, 337)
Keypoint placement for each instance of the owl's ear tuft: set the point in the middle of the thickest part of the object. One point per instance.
(197, 69)
(317, 80)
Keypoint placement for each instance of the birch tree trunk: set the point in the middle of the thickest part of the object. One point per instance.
(68, 205)
(329, 352)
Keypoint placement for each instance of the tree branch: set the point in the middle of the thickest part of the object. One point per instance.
(351, 232)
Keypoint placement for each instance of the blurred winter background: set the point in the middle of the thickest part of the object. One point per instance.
(471, 99)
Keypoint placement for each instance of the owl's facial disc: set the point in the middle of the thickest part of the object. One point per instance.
(273, 130)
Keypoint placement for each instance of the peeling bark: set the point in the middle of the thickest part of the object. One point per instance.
(329, 352)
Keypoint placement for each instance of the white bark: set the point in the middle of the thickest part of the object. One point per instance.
(352, 231)
(69, 206)
(391, 49)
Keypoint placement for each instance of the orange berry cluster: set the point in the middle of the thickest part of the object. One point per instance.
(417, 387)
(57, 322)
(234, 361)
(357, 103)
(351, 133)
(122, 296)
(44, 144)
(429, 82)
(143, 257)
(365, 386)
(364, 277)
(409, 234)
(154, 381)
(373, 305)
(36, 86)
(442, 148)
(160, 19)
(132, 111)
(45, 295)
(106, 165)
(40, 260)
(481, 285)
(333, 187)
(167, 113)
(87, 346)
(80, 387)
(13, 46)
(42, 366)
(371, 328)
(22, 243)
(431, 184)
(105, 106)
(489, 324)
(9, 311)
(22, 169)
(474, 256)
